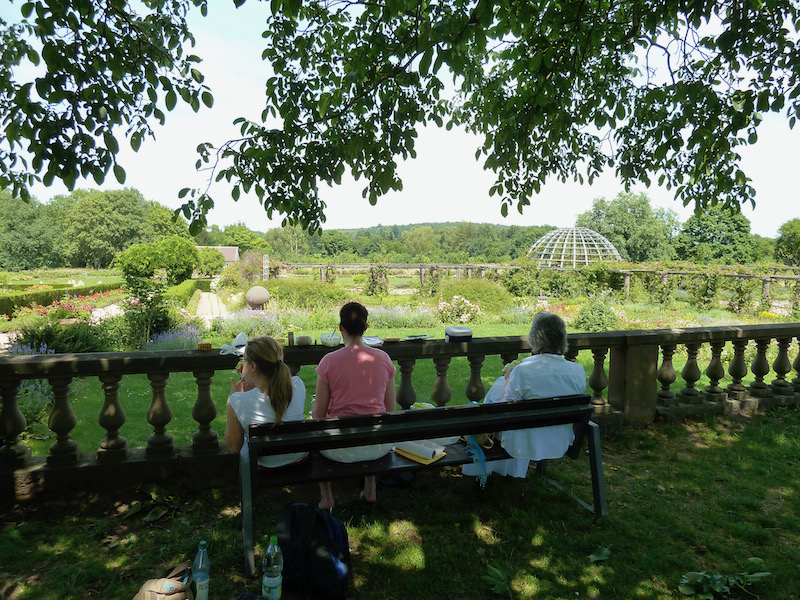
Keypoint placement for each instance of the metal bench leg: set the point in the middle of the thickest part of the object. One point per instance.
(247, 518)
(596, 465)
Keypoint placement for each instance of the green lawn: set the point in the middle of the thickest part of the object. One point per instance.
(682, 497)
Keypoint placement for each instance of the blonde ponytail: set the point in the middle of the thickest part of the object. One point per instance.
(267, 354)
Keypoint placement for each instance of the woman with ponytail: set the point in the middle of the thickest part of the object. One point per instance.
(266, 393)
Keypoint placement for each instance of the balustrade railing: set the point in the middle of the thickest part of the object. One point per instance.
(632, 377)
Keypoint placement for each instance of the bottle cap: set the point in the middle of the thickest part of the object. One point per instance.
(273, 539)
(203, 544)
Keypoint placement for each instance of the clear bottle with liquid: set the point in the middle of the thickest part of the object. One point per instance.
(272, 577)
(201, 572)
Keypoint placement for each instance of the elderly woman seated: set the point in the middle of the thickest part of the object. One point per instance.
(544, 374)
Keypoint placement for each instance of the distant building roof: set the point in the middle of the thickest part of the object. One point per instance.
(231, 253)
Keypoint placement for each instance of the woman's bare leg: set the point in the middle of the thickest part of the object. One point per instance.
(326, 495)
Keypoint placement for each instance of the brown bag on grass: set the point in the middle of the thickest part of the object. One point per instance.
(170, 587)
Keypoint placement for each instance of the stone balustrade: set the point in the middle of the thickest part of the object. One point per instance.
(632, 380)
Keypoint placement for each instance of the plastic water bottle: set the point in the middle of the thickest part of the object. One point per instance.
(272, 579)
(201, 572)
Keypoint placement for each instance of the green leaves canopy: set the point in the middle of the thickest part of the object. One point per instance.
(75, 74)
(657, 91)
(662, 91)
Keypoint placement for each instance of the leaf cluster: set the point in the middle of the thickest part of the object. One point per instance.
(105, 69)
(556, 90)
(708, 585)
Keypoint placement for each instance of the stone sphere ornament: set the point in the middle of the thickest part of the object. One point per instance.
(256, 297)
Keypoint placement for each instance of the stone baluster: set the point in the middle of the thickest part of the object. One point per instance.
(690, 374)
(571, 354)
(204, 440)
(715, 371)
(796, 367)
(780, 387)
(667, 376)
(13, 454)
(738, 371)
(159, 415)
(64, 451)
(114, 447)
(509, 358)
(406, 394)
(475, 390)
(441, 392)
(760, 368)
(598, 380)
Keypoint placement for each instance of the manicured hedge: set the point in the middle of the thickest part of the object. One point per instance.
(183, 292)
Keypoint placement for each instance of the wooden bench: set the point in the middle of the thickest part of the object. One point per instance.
(321, 434)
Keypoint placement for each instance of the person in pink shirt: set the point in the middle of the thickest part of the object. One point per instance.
(354, 380)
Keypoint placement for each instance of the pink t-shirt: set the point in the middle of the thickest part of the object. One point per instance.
(357, 377)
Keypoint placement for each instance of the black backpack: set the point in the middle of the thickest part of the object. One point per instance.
(316, 552)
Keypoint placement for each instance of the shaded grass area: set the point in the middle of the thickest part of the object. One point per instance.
(682, 497)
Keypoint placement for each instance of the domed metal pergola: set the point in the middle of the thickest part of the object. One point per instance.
(572, 248)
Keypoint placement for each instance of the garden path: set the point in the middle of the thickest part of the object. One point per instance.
(211, 306)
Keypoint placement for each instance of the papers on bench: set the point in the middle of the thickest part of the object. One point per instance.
(421, 451)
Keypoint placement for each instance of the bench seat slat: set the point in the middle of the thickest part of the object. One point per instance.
(323, 469)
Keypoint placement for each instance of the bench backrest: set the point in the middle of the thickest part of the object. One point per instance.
(360, 430)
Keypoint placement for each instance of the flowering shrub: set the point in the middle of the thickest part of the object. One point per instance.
(179, 338)
(458, 309)
(392, 317)
(597, 315)
(74, 307)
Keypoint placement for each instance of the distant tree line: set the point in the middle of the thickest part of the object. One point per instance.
(89, 228)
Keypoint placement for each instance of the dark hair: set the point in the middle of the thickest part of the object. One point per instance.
(267, 355)
(353, 318)
(548, 334)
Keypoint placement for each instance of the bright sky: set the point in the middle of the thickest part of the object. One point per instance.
(444, 183)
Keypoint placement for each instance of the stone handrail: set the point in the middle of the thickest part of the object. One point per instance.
(631, 381)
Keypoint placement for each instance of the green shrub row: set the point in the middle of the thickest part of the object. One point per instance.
(21, 287)
(488, 296)
(10, 302)
(182, 293)
(304, 293)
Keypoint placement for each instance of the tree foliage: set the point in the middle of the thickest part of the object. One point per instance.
(30, 236)
(656, 91)
(97, 71)
(639, 233)
(210, 261)
(787, 246)
(717, 235)
(665, 92)
(240, 235)
(101, 224)
(175, 257)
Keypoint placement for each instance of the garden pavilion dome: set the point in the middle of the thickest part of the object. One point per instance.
(572, 248)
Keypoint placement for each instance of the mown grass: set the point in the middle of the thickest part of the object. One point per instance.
(682, 497)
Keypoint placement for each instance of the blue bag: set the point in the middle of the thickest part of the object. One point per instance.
(316, 552)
